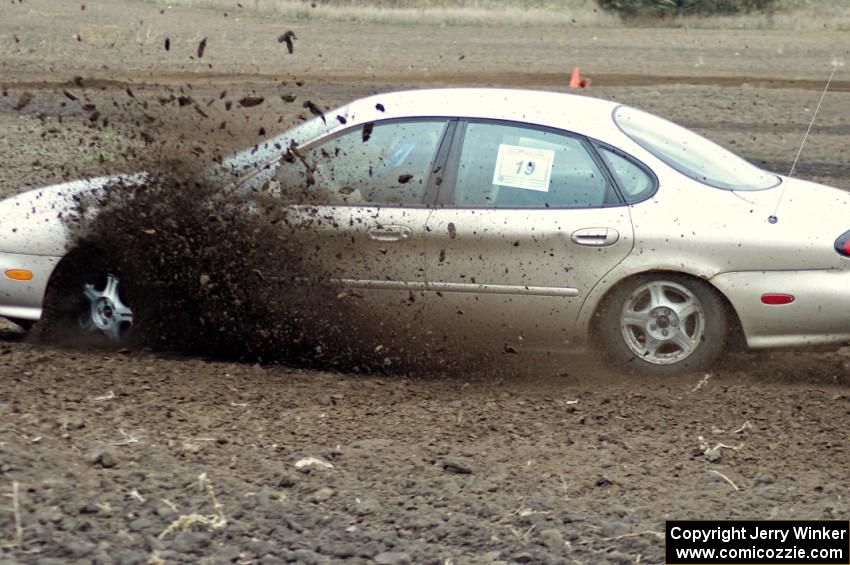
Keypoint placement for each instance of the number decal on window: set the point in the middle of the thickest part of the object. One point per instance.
(524, 167)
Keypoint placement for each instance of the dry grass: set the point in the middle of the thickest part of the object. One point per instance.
(517, 12)
(789, 14)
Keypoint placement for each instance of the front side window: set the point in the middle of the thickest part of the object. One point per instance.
(382, 164)
(690, 153)
(508, 166)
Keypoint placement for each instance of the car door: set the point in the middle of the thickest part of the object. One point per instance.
(358, 204)
(527, 221)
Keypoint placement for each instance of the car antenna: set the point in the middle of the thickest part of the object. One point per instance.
(773, 218)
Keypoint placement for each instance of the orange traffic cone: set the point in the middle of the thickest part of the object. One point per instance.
(576, 81)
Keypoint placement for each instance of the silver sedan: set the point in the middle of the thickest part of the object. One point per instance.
(522, 221)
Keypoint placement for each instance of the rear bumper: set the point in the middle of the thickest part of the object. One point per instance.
(820, 313)
(23, 299)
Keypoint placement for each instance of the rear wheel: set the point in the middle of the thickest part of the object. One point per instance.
(662, 324)
(85, 298)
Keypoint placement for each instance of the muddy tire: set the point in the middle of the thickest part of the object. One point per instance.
(662, 324)
(85, 301)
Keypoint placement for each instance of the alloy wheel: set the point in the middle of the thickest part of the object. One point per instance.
(662, 322)
(106, 313)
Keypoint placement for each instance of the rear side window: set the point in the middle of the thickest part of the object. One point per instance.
(635, 182)
(512, 166)
(383, 164)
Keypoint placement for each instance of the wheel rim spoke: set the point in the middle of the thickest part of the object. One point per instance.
(686, 310)
(90, 293)
(650, 346)
(106, 313)
(111, 290)
(123, 314)
(684, 342)
(656, 294)
(636, 319)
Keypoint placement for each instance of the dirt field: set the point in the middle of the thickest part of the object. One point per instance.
(136, 457)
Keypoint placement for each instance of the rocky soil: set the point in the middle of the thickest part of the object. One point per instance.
(118, 456)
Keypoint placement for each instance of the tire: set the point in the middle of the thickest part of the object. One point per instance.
(84, 302)
(665, 324)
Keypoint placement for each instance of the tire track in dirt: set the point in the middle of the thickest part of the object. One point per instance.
(424, 78)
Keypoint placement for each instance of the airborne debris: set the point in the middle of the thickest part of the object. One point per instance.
(202, 46)
(24, 100)
(251, 101)
(315, 110)
(258, 317)
(288, 37)
(367, 131)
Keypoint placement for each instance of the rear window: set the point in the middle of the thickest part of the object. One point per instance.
(691, 154)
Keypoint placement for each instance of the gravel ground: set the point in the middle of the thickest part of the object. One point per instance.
(139, 457)
(126, 457)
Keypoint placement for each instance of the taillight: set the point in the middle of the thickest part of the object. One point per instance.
(842, 244)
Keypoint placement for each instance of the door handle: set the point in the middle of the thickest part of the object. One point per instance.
(596, 237)
(390, 233)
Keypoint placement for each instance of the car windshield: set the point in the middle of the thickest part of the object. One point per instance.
(690, 153)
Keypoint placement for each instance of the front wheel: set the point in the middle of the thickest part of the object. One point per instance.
(662, 324)
(104, 311)
(85, 298)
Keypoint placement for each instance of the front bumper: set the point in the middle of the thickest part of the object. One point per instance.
(820, 313)
(23, 299)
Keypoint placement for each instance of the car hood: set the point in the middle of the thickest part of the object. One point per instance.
(32, 222)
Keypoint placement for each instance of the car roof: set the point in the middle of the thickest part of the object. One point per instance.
(571, 112)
